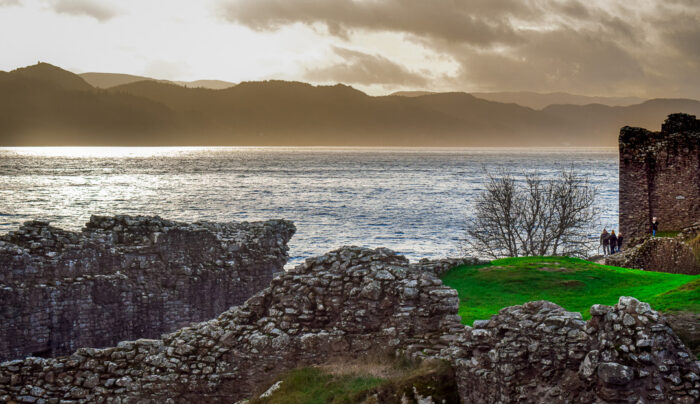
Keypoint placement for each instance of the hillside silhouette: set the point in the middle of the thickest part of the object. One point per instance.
(543, 100)
(46, 105)
(539, 100)
(108, 80)
(51, 76)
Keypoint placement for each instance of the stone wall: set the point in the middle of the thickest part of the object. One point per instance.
(125, 278)
(348, 302)
(660, 254)
(540, 353)
(352, 302)
(439, 267)
(659, 176)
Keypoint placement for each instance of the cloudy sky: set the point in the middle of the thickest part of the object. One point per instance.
(647, 48)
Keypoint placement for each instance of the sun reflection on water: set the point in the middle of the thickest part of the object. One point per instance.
(97, 152)
(145, 152)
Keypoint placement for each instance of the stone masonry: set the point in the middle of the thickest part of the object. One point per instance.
(347, 302)
(660, 176)
(124, 278)
(540, 353)
(354, 301)
(661, 254)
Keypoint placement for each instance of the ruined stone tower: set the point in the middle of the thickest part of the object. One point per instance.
(660, 176)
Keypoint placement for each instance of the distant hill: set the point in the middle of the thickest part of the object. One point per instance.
(108, 80)
(211, 84)
(542, 100)
(411, 93)
(45, 105)
(52, 76)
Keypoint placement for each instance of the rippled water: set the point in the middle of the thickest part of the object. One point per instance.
(410, 200)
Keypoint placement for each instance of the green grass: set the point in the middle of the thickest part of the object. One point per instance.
(667, 233)
(314, 386)
(572, 283)
(683, 298)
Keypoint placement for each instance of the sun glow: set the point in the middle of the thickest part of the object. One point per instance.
(97, 152)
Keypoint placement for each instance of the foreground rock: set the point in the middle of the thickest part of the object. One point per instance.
(353, 302)
(125, 278)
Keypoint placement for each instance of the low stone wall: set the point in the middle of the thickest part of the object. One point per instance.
(440, 267)
(353, 302)
(690, 232)
(538, 352)
(661, 254)
(125, 277)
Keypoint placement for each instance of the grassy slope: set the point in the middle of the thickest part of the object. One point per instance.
(314, 386)
(359, 382)
(569, 282)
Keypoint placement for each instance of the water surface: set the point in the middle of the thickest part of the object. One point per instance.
(411, 200)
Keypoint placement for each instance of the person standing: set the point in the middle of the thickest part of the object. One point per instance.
(613, 241)
(654, 226)
(619, 242)
(605, 241)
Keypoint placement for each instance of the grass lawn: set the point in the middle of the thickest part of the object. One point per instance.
(572, 283)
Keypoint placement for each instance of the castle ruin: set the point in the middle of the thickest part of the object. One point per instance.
(659, 176)
(127, 277)
(353, 302)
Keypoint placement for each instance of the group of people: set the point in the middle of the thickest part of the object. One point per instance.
(611, 242)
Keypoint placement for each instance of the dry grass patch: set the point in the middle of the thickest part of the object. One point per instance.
(383, 367)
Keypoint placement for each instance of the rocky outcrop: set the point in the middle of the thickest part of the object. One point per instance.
(352, 302)
(660, 254)
(659, 176)
(125, 278)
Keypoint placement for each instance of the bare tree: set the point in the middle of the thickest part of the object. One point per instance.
(535, 216)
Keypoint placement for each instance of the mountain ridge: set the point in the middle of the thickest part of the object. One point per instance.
(46, 105)
(109, 80)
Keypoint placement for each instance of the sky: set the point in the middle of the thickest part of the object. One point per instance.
(593, 47)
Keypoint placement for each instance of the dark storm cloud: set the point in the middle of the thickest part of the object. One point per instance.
(478, 22)
(682, 32)
(595, 46)
(561, 59)
(91, 8)
(361, 68)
